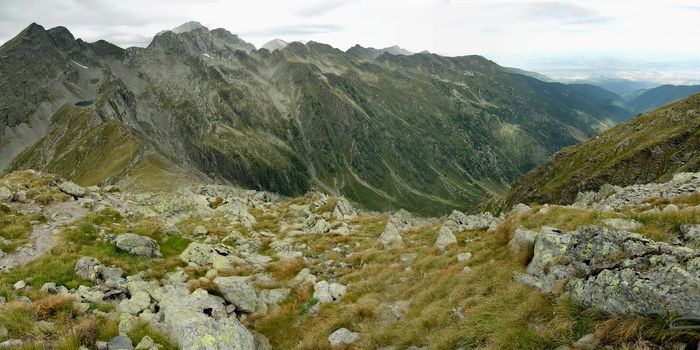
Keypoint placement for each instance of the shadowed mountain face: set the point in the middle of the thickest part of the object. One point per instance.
(650, 147)
(422, 132)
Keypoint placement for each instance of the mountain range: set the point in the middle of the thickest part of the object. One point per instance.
(424, 132)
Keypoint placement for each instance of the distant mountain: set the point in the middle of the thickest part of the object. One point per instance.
(659, 96)
(373, 53)
(275, 44)
(535, 75)
(423, 132)
(627, 89)
(650, 147)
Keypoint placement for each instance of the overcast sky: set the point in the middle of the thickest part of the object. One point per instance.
(530, 34)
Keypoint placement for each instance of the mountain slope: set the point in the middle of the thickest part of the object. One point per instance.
(652, 146)
(423, 132)
(659, 96)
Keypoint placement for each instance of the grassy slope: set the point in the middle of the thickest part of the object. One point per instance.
(652, 146)
(80, 151)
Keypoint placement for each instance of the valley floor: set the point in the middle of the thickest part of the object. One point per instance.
(216, 267)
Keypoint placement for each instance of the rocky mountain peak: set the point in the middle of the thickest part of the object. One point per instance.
(188, 27)
(275, 44)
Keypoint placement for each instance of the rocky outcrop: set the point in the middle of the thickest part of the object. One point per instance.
(458, 221)
(616, 271)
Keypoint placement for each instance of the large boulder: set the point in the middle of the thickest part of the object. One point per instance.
(198, 321)
(239, 291)
(617, 272)
(138, 245)
(445, 238)
(391, 238)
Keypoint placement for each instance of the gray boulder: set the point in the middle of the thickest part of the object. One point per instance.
(87, 268)
(391, 238)
(71, 189)
(6, 194)
(326, 292)
(445, 238)
(239, 291)
(343, 336)
(522, 242)
(120, 342)
(219, 256)
(138, 245)
(198, 321)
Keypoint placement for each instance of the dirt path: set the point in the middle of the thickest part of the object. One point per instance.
(43, 236)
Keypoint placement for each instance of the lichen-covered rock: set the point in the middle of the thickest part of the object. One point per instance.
(343, 336)
(138, 245)
(198, 321)
(445, 238)
(239, 291)
(691, 235)
(390, 237)
(617, 271)
(71, 189)
(121, 342)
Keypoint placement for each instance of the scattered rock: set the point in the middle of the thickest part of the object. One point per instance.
(464, 257)
(445, 238)
(120, 342)
(71, 189)
(391, 238)
(19, 285)
(86, 268)
(146, 343)
(138, 245)
(326, 292)
(343, 336)
(11, 343)
(5, 195)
